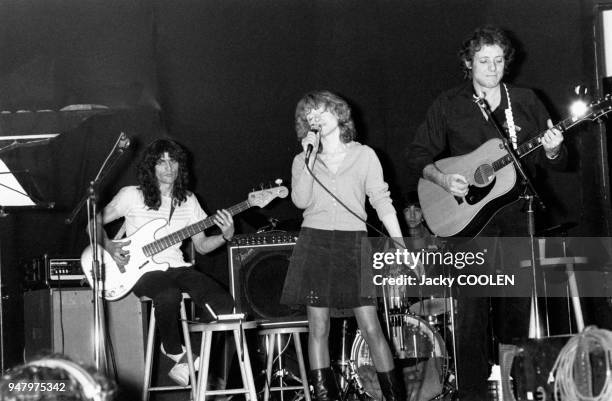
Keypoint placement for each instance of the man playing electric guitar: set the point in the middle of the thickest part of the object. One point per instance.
(162, 193)
(455, 125)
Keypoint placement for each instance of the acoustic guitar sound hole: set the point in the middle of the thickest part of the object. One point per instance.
(484, 174)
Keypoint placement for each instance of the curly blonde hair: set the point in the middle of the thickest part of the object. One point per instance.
(330, 102)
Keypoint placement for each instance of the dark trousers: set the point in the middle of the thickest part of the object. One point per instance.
(165, 289)
(480, 321)
(473, 328)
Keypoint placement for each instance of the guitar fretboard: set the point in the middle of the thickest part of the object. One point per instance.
(535, 142)
(166, 242)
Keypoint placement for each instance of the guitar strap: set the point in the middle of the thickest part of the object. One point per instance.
(172, 207)
(510, 120)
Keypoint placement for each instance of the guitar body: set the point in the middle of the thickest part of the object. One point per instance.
(119, 281)
(489, 190)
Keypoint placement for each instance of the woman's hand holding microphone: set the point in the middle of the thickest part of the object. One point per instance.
(310, 144)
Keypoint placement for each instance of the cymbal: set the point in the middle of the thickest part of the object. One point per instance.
(431, 307)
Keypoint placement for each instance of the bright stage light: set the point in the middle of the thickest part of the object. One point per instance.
(578, 109)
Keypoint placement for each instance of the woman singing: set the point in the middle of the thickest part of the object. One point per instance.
(326, 269)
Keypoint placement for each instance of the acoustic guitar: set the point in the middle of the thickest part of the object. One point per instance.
(491, 177)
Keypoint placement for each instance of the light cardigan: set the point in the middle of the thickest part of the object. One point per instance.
(359, 174)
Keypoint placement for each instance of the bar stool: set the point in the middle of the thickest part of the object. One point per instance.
(273, 333)
(237, 327)
(146, 388)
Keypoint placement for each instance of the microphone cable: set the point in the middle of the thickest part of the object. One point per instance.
(348, 208)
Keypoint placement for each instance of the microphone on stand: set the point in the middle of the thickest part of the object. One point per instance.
(482, 104)
(309, 148)
(124, 142)
(480, 100)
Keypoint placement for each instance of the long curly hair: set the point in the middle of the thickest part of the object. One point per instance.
(487, 35)
(330, 102)
(146, 172)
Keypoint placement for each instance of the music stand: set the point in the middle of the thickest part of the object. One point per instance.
(14, 196)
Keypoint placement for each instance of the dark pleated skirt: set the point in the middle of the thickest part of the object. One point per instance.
(326, 270)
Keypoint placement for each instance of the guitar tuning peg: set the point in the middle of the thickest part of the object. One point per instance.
(278, 181)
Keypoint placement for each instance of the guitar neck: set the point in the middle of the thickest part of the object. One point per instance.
(535, 142)
(184, 233)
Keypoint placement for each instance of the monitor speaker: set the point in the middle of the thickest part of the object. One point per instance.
(257, 276)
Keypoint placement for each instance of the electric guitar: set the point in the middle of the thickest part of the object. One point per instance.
(119, 280)
(491, 177)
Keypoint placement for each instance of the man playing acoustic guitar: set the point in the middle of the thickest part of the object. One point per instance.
(455, 125)
(162, 194)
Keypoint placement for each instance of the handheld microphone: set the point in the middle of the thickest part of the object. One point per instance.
(124, 142)
(309, 148)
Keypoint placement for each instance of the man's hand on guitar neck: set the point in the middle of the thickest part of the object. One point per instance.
(456, 184)
(551, 141)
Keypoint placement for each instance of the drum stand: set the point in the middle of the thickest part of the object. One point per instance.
(349, 381)
(354, 385)
(451, 379)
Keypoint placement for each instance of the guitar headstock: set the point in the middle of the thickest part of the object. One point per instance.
(264, 196)
(594, 110)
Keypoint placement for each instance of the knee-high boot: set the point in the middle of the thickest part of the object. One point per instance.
(324, 383)
(392, 385)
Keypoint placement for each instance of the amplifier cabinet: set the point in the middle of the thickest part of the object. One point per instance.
(61, 321)
(257, 268)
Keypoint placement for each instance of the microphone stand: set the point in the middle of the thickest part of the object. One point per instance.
(529, 195)
(97, 268)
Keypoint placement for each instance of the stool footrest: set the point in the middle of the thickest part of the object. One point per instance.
(288, 388)
(169, 388)
(243, 390)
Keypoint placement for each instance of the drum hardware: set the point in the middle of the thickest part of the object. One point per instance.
(417, 330)
(349, 381)
(343, 363)
(285, 377)
(354, 385)
(419, 350)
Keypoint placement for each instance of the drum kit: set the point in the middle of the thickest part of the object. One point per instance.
(421, 345)
(421, 335)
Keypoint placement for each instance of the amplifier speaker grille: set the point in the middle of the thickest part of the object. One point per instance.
(257, 276)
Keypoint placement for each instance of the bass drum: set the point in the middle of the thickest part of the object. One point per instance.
(422, 355)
